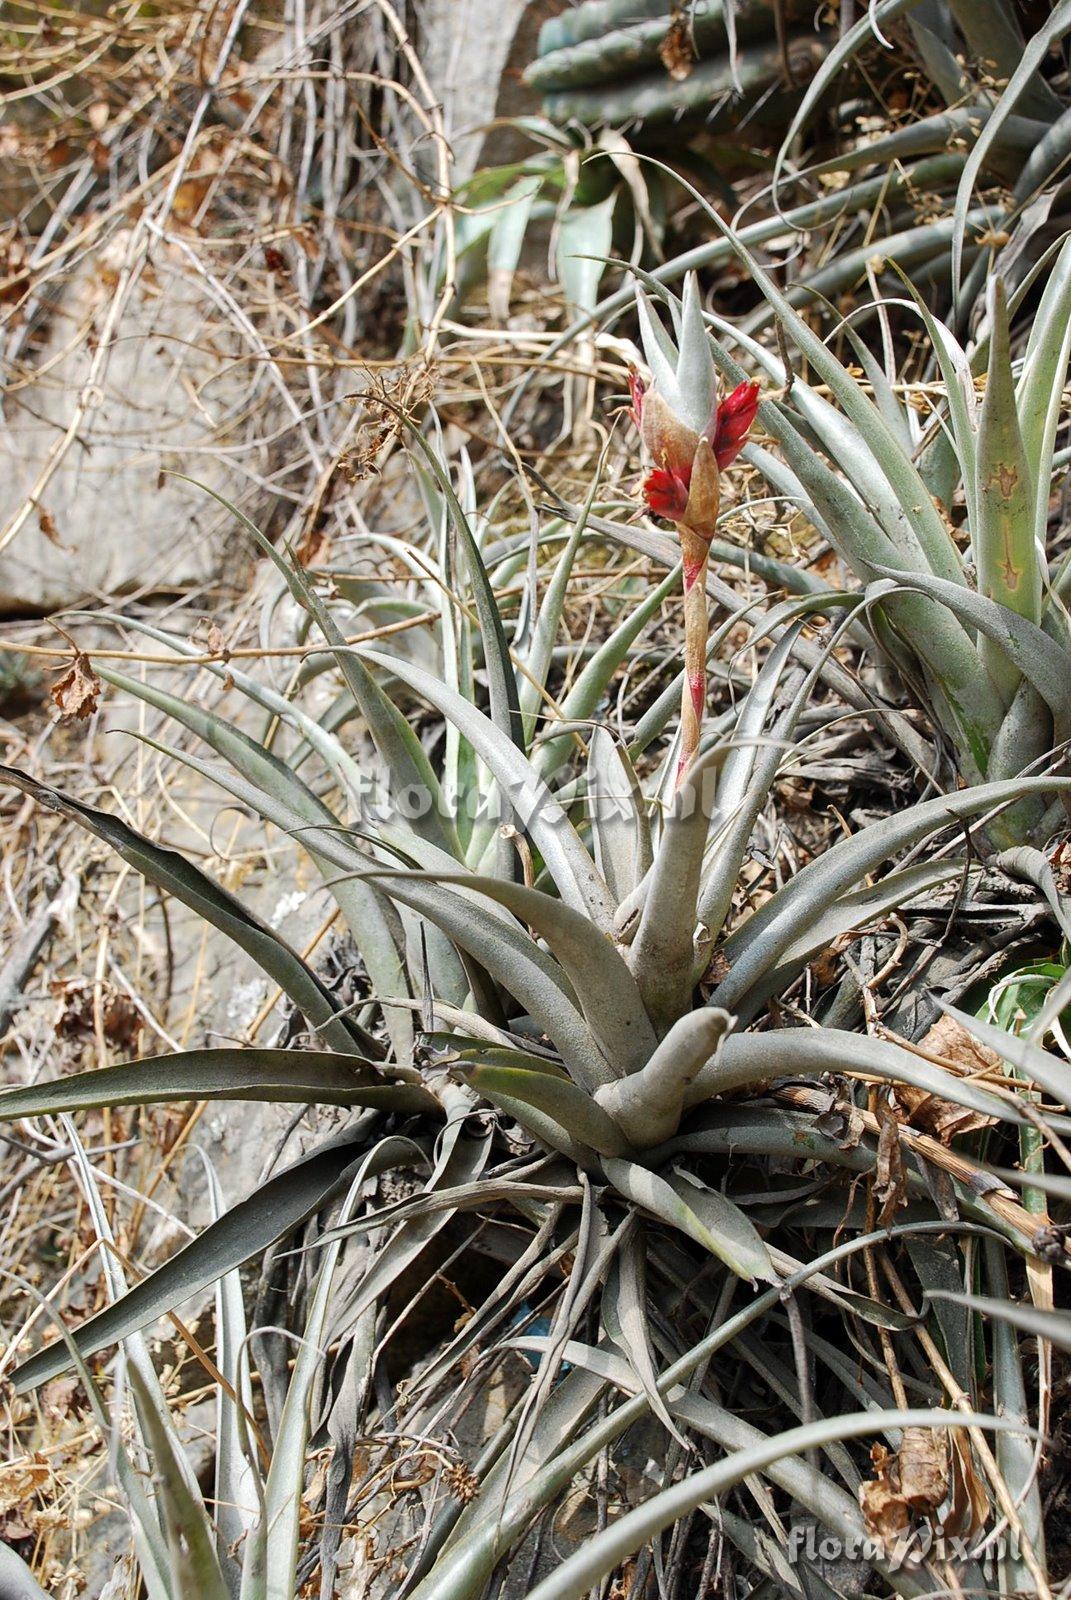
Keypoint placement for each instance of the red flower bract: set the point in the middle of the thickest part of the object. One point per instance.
(666, 492)
(733, 418)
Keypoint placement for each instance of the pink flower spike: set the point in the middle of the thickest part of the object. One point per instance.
(732, 422)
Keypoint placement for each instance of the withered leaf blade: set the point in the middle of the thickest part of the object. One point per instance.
(47, 524)
(923, 1465)
(884, 1509)
(675, 51)
(969, 1509)
(911, 1483)
(949, 1043)
(890, 1182)
(75, 695)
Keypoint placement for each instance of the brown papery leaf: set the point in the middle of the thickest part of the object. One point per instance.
(676, 52)
(949, 1039)
(969, 1510)
(890, 1184)
(913, 1482)
(923, 1462)
(931, 1114)
(47, 524)
(21, 1479)
(75, 695)
(880, 1500)
(217, 643)
(948, 1042)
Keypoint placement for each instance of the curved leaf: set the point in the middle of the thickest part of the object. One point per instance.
(294, 1077)
(661, 953)
(1039, 658)
(241, 1234)
(619, 826)
(704, 1215)
(1052, 1326)
(748, 1058)
(568, 1107)
(363, 908)
(169, 870)
(607, 991)
(768, 932)
(522, 789)
(604, 1551)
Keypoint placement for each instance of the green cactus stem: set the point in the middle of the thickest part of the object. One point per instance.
(597, 17)
(657, 98)
(624, 52)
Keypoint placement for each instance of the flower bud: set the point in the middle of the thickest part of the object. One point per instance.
(732, 422)
(669, 442)
(689, 437)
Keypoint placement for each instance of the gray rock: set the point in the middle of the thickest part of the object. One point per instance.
(473, 52)
(109, 520)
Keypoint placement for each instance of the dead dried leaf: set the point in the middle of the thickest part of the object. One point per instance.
(119, 1015)
(1060, 861)
(47, 524)
(913, 1482)
(826, 966)
(58, 1397)
(216, 643)
(890, 1184)
(923, 1469)
(795, 794)
(969, 1509)
(75, 695)
(950, 1040)
(949, 1043)
(880, 1500)
(676, 51)
(930, 1114)
(21, 1479)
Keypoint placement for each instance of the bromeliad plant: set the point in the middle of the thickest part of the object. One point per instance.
(563, 1038)
(988, 115)
(691, 437)
(971, 613)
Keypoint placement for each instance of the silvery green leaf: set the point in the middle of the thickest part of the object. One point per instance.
(661, 954)
(241, 1234)
(170, 871)
(659, 352)
(696, 377)
(365, 912)
(552, 1109)
(702, 1214)
(750, 1058)
(619, 826)
(602, 1553)
(568, 862)
(760, 941)
(294, 1077)
(607, 991)
(585, 240)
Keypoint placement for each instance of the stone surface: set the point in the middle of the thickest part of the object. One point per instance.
(473, 53)
(171, 397)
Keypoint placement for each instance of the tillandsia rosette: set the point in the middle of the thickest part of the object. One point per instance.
(690, 437)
